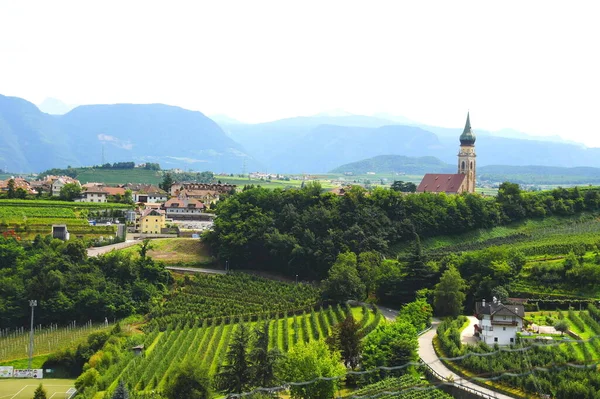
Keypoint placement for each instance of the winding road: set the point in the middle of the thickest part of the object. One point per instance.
(428, 355)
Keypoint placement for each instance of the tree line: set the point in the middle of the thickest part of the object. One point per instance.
(70, 286)
(301, 231)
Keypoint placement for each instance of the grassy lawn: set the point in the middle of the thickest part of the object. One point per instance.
(14, 388)
(177, 251)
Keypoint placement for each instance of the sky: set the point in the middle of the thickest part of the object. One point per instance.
(529, 65)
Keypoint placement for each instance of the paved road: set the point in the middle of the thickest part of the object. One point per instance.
(95, 251)
(194, 270)
(427, 353)
(466, 335)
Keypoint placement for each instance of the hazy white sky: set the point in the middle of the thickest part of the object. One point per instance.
(529, 65)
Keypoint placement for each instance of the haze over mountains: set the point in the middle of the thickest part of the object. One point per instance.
(31, 140)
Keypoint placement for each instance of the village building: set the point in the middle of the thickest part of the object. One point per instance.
(152, 221)
(19, 182)
(184, 208)
(464, 180)
(147, 193)
(59, 183)
(207, 193)
(92, 194)
(498, 323)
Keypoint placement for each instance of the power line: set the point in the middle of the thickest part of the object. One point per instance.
(479, 378)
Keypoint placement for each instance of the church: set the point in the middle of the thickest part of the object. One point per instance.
(464, 180)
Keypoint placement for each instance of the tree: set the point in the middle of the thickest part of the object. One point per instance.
(343, 282)
(235, 375)
(449, 293)
(11, 189)
(20, 193)
(121, 391)
(500, 293)
(417, 313)
(408, 187)
(561, 326)
(144, 248)
(308, 361)
(346, 338)
(264, 361)
(391, 344)
(189, 382)
(127, 197)
(368, 268)
(70, 191)
(167, 182)
(40, 393)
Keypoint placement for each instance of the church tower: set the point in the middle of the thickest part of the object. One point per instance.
(466, 156)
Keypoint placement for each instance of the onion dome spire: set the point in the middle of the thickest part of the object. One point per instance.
(467, 137)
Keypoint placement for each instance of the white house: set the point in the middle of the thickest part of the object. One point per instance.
(93, 194)
(60, 182)
(498, 323)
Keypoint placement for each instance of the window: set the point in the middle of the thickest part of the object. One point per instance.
(463, 165)
(503, 328)
(512, 340)
(495, 339)
(503, 317)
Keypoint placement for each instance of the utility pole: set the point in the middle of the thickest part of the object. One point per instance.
(33, 304)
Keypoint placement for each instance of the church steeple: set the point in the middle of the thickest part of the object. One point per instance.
(467, 137)
(467, 157)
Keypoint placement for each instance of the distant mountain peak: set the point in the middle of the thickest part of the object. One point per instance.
(54, 106)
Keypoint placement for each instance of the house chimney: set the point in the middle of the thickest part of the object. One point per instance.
(483, 302)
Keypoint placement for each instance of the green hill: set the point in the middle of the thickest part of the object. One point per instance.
(396, 163)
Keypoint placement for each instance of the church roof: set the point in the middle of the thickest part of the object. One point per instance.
(441, 183)
(467, 137)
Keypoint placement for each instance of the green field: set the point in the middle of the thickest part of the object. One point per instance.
(119, 176)
(177, 251)
(13, 388)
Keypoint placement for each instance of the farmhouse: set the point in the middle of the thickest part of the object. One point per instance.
(498, 323)
(464, 180)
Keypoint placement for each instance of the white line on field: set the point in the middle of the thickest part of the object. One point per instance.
(20, 391)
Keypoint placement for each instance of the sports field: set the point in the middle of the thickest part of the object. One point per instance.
(13, 388)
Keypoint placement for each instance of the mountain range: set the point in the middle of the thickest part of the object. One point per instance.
(532, 174)
(31, 140)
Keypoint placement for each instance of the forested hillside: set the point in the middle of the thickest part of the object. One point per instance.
(303, 231)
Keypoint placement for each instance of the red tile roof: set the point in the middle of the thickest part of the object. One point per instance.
(180, 203)
(441, 183)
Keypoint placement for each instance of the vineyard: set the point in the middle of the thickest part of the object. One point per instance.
(406, 387)
(205, 342)
(214, 296)
(557, 358)
(545, 236)
(14, 344)
(31, 217)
